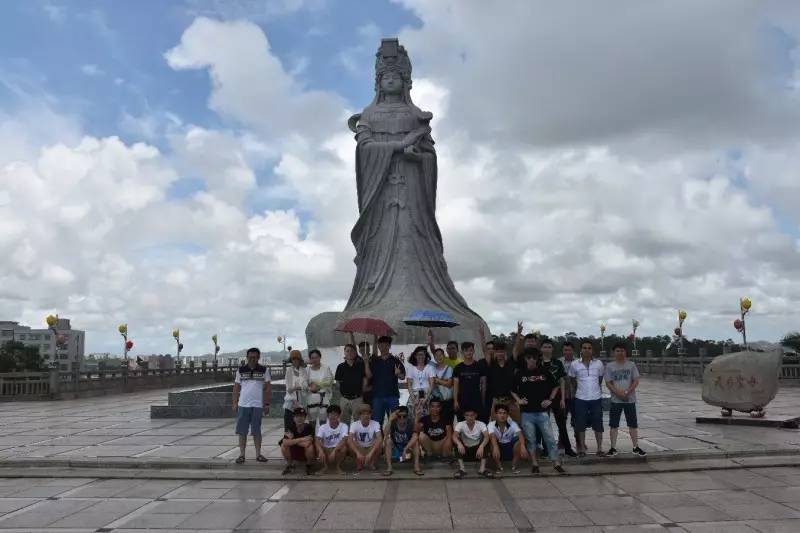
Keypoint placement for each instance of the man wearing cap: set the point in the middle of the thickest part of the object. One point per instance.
(251, 395)
(297, 443)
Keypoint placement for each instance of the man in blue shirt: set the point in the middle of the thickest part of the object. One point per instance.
(386, 369)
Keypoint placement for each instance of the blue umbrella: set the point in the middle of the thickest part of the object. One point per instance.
(431, 319)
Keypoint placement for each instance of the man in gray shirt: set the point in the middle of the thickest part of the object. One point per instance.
(622, 378)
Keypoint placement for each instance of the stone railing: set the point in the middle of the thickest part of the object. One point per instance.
(691, 368)
(54, 385)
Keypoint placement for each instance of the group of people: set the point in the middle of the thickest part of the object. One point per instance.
(490, 411)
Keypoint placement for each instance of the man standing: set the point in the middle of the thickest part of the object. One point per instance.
(522, 343)
(251, 396)
(500, 380)
(452, 359)
(622, 379)
(386, 369)
(401, 442)
(297, 443)
(587, 374)
(559, 403)
(469, 383)
(332, 439)
(470, 439)
(533, 390)
(351, 375)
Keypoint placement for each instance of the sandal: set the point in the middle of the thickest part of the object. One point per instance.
(487, 474)
(515, 470)
(387, 473)
(560, 469)
(419, 472)
(240, 460)
(288, 470)
(261, 459)
(459, 474)
(534, 470)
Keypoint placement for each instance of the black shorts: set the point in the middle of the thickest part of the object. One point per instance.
(470, 453)
(615, 413)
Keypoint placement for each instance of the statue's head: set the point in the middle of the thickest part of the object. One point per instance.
(392, 69)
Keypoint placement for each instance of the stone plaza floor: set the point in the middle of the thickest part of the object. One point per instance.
(729, 501)
(102, 465)
(119, 428)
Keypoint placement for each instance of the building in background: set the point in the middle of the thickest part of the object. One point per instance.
(68, 358)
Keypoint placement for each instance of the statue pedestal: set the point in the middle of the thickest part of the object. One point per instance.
(321, 334)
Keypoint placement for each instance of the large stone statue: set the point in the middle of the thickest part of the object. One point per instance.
(400, 264)
(742, 381)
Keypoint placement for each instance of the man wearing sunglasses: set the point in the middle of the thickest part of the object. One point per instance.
(401, 442)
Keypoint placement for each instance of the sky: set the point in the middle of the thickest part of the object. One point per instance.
(188, 165)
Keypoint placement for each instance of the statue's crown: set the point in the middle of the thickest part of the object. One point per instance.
(392, 57)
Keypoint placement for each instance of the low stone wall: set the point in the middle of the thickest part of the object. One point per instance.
(210, 402)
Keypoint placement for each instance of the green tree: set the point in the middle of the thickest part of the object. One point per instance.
(792, 340)
(16, 356)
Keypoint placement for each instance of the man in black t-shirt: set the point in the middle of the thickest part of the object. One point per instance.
(351, 375)
(533, 388)
(435, 433)
(401, 441)
(469, 383)
(297, 443)
(500, 380)
(559, 406)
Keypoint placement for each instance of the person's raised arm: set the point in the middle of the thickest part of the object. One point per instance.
(431, 345)
(519, 342)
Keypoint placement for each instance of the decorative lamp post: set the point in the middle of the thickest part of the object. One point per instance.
(602, 340)
(127, 345)
(282, 341)
(744, 307)
(632, 337)
(52, 322)
(176, 334)
(679, 332)
(215, 340)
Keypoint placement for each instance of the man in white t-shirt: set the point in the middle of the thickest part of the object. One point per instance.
(507, 439)
(470, 438)
(366, 440)
(251, 395)
(586, 374)
(332, 439)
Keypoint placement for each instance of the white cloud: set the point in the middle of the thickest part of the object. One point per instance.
(91, 70)
(584, 176)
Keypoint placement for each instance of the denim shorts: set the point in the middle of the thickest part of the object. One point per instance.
(249, 417)
(615, 413)
(588, 413)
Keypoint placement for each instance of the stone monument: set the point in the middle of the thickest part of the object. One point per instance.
(400, 264)
(743, 381)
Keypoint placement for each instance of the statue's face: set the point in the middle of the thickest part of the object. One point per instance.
(391, 83)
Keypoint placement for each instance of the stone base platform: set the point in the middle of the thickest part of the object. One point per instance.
(772, 421)
(210, 402)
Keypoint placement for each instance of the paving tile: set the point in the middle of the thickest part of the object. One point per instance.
(775, 526)
(717, 527)
(221, 514)
(349, 515)
(361, 491)
(100, 514)
(426, 515)
(151, 488)
(44, 513)
(8, 505)
(621, 517)
(190, 491)
(428, 490)
(588, 486)
(308, 491)
(255, 490)
(638, 483)
(482, 521)
(558, 518)
(285, 515)
(693, 513)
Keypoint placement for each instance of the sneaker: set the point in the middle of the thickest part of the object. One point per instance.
(600, 453)
(570, 453)
(535, 470)
(611, 452)
(309, 470)
(639, 451)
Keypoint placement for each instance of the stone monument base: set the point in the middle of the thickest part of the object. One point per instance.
(743, 419)
(320, 332)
